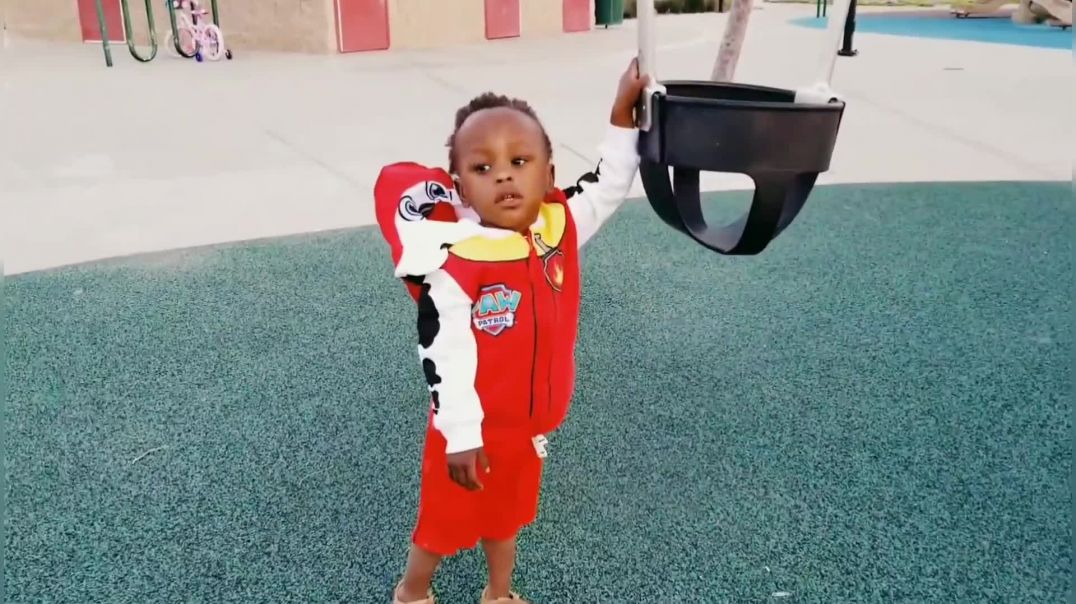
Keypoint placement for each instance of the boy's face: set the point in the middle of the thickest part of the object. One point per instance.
(503, 167)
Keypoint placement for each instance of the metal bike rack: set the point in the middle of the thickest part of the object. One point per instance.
(103, 26)
(782, 139)
(216, 14)
(125, 9)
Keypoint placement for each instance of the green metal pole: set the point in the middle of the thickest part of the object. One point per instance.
(216, 14)
(104, 33)
(130, 33)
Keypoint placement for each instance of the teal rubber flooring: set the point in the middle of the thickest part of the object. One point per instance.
(876, 409)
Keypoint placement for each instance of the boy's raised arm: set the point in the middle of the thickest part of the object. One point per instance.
(598, 194)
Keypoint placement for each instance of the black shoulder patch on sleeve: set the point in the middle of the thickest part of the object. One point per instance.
(429, 320)
(590, 177)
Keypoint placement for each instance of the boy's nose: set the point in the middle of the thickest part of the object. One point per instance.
(504, 177)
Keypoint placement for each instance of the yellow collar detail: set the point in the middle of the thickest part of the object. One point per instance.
(548, 232)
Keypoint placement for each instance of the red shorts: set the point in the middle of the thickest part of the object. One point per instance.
(451, 518)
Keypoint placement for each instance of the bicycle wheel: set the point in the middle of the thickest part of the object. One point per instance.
(212, 43)
(186, 37)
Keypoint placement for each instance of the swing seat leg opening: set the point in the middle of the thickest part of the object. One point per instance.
(781, 144)
(777, 200)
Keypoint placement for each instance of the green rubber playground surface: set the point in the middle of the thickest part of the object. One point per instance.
(875, 409)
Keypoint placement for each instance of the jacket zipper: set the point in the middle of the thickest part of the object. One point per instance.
(534, 323)
(549, 366)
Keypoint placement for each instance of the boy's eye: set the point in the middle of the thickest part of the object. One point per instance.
(480, 168)
(519, 161)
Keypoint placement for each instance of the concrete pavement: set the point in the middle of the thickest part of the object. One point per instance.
(99, 162)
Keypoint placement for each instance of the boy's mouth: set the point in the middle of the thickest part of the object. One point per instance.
(510, 197)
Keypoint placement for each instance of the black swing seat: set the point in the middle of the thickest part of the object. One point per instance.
(723, 127)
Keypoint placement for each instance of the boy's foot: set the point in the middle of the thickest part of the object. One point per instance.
(429, 599)
(513, 598)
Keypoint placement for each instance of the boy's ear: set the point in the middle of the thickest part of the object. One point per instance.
(458, 185)
(552, 183)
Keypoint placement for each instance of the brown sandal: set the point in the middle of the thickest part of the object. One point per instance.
(396, 597)
(513, 598)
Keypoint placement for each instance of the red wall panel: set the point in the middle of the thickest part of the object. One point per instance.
(91, 28)
(502, 19)
(362, 25)
(577, 15)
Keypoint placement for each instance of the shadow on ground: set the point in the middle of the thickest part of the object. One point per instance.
(874, 409)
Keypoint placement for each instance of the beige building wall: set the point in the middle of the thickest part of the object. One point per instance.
(541, 17)
(285, 25)
(46, 19)
(296, 25)
(307, 26)
(435, 23)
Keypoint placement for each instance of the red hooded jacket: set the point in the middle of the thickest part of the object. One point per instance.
(497, 310)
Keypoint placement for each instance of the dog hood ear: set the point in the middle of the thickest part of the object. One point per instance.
(416, 209)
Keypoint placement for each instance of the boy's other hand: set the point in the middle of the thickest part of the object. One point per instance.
(627, 96)
(463, 468)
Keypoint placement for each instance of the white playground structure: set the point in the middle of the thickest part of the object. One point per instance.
(1054, 12)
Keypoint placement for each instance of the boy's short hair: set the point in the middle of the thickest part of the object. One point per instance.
(490, 100)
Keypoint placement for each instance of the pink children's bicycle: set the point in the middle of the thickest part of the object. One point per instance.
(198, 35)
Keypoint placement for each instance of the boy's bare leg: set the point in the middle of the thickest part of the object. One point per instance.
(418, 575)
(501, 561)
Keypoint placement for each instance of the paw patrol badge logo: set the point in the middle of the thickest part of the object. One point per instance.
(417, 202)
(495, 309)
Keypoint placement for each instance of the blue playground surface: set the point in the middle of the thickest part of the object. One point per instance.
(996, 28)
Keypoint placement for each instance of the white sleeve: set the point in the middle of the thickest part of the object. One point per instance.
(449, 355)
(598, 194)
